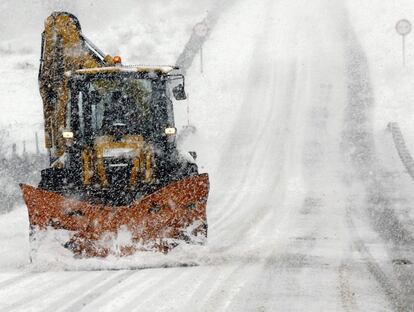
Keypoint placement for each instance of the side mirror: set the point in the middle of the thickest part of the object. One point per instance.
(193, 155)
(179, 92)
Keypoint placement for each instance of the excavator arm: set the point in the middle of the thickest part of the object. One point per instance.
(64, 49)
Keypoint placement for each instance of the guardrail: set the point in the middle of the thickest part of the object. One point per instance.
(401, 147)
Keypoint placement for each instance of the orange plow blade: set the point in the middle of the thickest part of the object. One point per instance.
(159, 221)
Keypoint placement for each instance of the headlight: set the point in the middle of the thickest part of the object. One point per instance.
(170, 131)
(67, 134)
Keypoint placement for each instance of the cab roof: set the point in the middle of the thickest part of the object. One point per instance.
(158, 69)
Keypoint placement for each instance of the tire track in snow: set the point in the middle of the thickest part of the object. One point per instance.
(247, 279)
(255, 128)
(76, 292)
(98, 291)
(349, 303)
(39, 293)
(235, 200)
(293, 101)
(390, 289)
(141, 286)
(221, 298)
(186, 291)
(248, 274)
(359, 147)
(207, 287)
(227, 289)
(11, 281)
(245, 182)
(133, 305)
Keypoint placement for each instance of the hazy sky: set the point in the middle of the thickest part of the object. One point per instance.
(24, 18)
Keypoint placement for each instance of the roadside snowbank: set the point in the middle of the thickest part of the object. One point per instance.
(14, 238)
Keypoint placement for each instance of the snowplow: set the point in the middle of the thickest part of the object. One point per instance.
(117, 183)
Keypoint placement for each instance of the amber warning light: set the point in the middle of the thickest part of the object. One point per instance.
(117, 59)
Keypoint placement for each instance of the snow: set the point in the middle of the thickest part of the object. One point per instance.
(14, 238)
(299, 220)
(119, 152)
(390, 80)
(151, 39)
(383, 46)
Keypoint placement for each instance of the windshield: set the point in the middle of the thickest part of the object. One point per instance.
(118, 106)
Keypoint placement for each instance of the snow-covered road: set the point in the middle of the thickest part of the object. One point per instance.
(301, 213)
